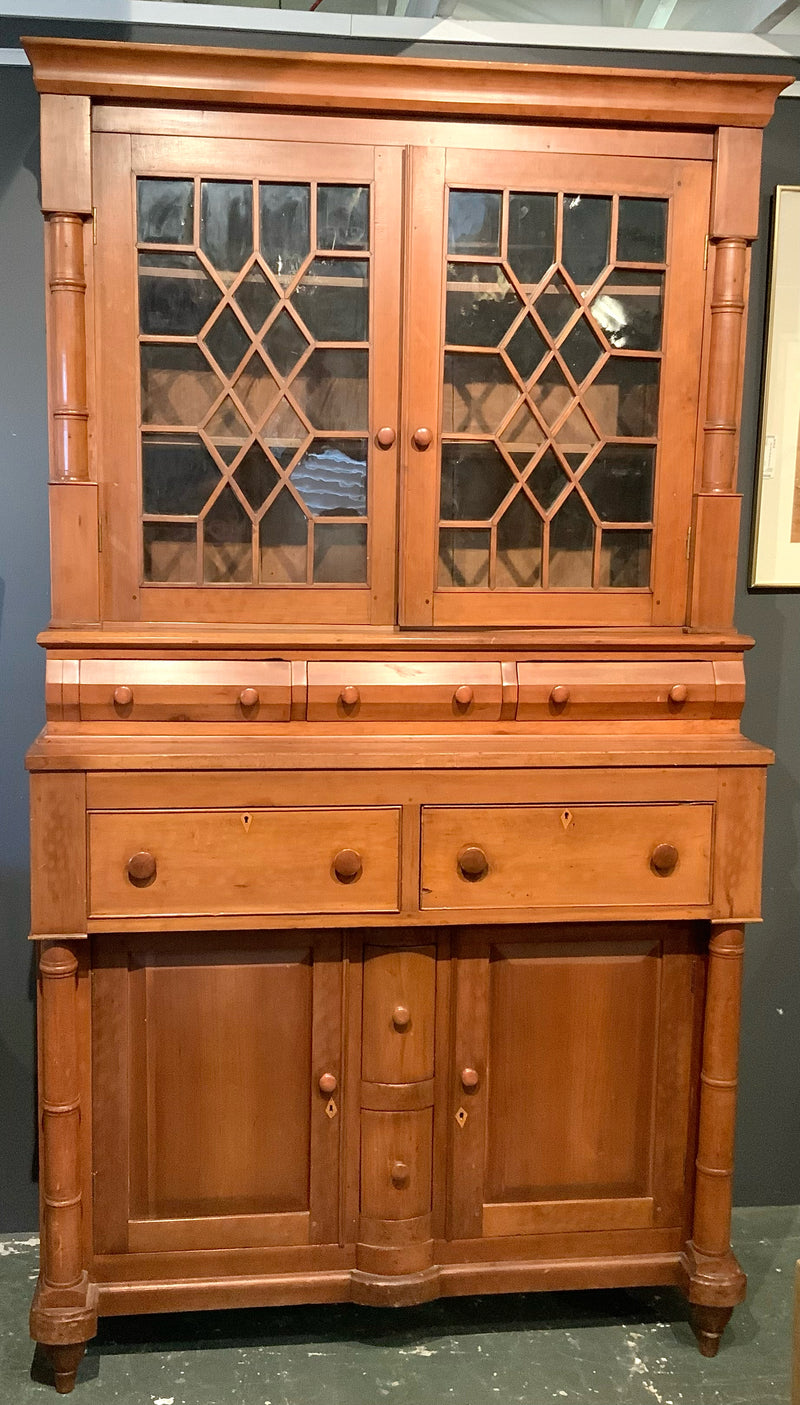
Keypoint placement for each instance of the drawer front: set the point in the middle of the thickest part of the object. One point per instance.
(396, 1158)
(260, 861)
(615, 690)
(159, 690)
(375, 692)
(547, 856)
(399, 1004)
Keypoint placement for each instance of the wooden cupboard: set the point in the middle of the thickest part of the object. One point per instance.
(393, 832)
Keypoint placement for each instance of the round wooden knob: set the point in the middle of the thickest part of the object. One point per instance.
(399, 1173)
(327, 1083)
(141, 868)
(401, 1017)
(463, 695)
(469, 1077)
(248, 697)
(559, 695)
(678, 693)
(422, 438)
(347, 865)
(349, 695)
(123, 696)
(663, 859)
(385, 437)
(472, 863)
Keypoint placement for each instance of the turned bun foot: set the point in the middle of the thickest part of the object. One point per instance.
(708, 1324)
(65, 1361)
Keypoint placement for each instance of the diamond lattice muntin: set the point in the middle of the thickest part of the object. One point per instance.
(551, 383)
(254, 355)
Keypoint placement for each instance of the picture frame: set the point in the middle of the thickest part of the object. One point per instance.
(775, 550)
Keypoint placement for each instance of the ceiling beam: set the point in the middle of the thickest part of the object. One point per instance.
(736, 16)
(653, 14)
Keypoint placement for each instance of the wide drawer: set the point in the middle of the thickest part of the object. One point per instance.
(396, 691)
(189, 690)
(175, 862)
(583, 856)
(615, 690)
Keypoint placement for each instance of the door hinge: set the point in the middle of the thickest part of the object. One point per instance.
(688, 543)
(705, 252)
(94, 224)
(99, 533)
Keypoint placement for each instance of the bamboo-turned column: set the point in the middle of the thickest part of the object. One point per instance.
(69, 409)
(60, 1108)
(722, 407)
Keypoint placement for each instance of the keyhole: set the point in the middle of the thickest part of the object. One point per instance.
(247, 820)
(567, 818)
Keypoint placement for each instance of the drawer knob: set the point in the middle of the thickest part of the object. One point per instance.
(385, 437)
(123, 696)
(349, 695)
(472, 863)
(422, 438)
(400, 1174)
(469, 1078)
(141, 868)
(463, 695)
(347, 865)
(401, 1017)
(663, 859)
(248, 697)
(328, 1084)
(559, 695)
(678, 693)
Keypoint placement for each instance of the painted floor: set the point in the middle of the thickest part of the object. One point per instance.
(596, 1348)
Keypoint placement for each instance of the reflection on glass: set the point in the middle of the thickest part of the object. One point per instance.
(170, 552)
(256, 388)
(581, 350)
(642, 231)
(176, 295)
(178, 474)
(226, 225)
(475, 479)
(331, 389)
(519, 546)
(256, 477)
(340, 553)
(478, 392)
(464, 556)
(625, 560)
(623, 398)
(547, 480)
(227, 341)
(576, 435)
(526, 348)
(283, 539)
(226, 429)
(331, 478)
(531, 235)
(165, 211)
(571, 545)
(555, 305)
(227, 538)
(585, 237)
(619, 483)
(284, 343)
(256, 297)
(628, 308)
(551, 393)
(473, 223)
(284, 432)
(333, 299)
(481, 304)
(523, 433)
(342, 217)
(178, 384)
(284, 216)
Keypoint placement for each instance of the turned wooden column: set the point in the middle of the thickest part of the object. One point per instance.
(721, 426)
(68, 409)
(60, 1107)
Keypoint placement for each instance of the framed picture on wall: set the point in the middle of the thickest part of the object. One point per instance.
(775, 557)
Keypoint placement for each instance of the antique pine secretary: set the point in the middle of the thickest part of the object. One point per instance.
(393, 831)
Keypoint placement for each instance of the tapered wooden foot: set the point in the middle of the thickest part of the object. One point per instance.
(708, 1324)
(65, 1361)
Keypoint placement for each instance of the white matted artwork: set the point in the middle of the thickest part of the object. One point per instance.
(775, 559)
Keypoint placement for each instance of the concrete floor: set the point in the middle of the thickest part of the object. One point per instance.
(604, 1347)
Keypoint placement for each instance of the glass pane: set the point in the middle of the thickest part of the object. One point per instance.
(625, 560)
(342, 217)
(475, 480)
(333, 299)
(256, 388)
(551, 393)
(523, 433)
(581, 350)
(284, 432)
(481, 304)
(226, 225)
(284, 343)
(170, 552)
(176, 295)
(526, 348)
(531, 236)
(227, 537)
(283, 542)
(519, 546)
(571, 545)
(165, 211)
(178, 474)
(227, 341)
(178, 384)
(340, 552)
(555, 305)
(585, 238)
(576, 436)
(619, 483)
(227, 430)
(547, 480)
(331, 478)
(478, 393)
(473, 224)
(256, 297)
(284, 214)
(331, 389)
(623, 398)
(463, 556)
(256, 477)
(642, 231)
(628, 308)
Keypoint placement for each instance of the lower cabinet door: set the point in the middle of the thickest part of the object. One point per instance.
(216, 1090)
(575, 1052)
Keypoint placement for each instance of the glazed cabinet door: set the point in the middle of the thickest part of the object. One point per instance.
(247, 378)
(573, 1069)
(216, 1091)
(552, 382)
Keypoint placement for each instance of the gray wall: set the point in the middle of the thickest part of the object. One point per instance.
(768, 1168)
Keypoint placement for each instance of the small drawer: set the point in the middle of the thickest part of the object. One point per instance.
(176, 862)
(396, 1158)
(188, 690)
(385, 692)
(398, 1002)
(577, 856)
(589, 691)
